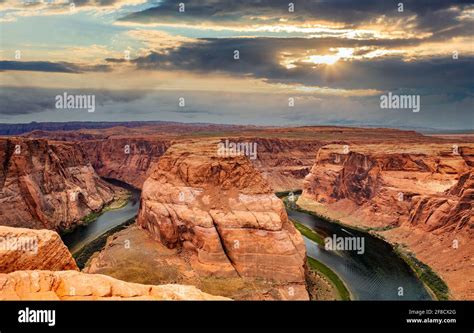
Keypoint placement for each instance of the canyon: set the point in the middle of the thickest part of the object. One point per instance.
(208, 220)
(124, 159)
(419, 197)
(48, 184)
(223, 215)
(283, 161)
(285, 155)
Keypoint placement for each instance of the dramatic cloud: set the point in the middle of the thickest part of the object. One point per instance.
(239, 61)
(431, 15)
(46, 66)
(27, 101)
(267, 58)
(26, 104)
(48, 7)
(41, 66)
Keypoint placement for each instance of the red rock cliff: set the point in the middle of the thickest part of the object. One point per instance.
(71, 285)
(420, 194)
(48, 185)
(224, 215)
(125, 159)
(36, 265)
(27, 249)
(283, 162)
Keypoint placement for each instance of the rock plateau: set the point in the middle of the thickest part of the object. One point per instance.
(223, 215)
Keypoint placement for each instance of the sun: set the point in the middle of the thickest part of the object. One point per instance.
(323, 59)
(331, 59)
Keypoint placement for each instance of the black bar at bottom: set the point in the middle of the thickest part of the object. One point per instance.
(420, 316)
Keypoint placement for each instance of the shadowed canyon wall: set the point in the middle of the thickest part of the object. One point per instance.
(125, 159)
(48, 184)
(419, 196)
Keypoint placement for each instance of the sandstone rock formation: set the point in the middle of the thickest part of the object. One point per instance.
(114, 155)
(388, 182)
(72, 285)
(285, 155)
(223, 215)
(36, 265)
(125, 159)
(27, 249)
(283, 163)
(413, 189)
(218, 214)
(46, 184)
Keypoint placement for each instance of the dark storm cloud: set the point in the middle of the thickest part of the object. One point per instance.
(18, 101)
(261, 57)
(432, 13)
(256, 54)
(37, 66)
(24, 101)
(46, 66)
(441, 74)
(444, 23)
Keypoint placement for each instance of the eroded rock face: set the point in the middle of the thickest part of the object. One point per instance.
(284, 163)
(48, 185)
(125, 159)
(395, 184)
(424, 192)
(72, 285)
(223, 215)
(452, 211)
(36, 265)
(27, 249)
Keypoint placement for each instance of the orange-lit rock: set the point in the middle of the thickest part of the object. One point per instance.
(27, 249)
(221, 212)
(72, 285)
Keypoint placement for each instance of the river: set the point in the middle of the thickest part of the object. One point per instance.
(377, 274)
(83, 235)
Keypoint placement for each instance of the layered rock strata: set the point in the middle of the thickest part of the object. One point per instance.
(27, 249)
(283, 163)
(47, 184)
(223, 215)
(125, 159)
(420, 196)
(36, 265)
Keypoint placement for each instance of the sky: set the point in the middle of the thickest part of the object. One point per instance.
(267, 62)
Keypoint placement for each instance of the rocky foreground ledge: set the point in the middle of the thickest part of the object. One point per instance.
(25, 249)
(73, 285)
(36, 265)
